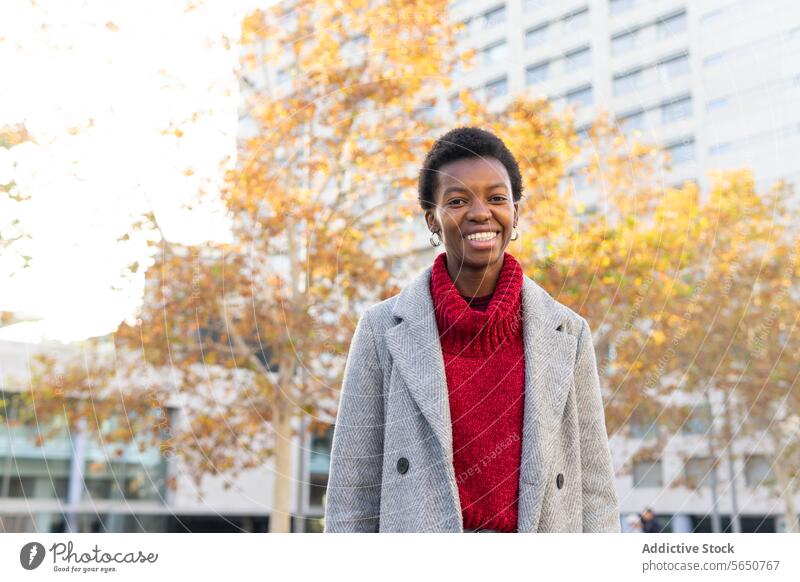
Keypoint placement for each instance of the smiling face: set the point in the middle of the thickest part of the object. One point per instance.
(475, 211)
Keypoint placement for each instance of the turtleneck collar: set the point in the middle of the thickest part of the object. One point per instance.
(466, 331)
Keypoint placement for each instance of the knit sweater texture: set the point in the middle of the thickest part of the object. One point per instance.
(484, 359)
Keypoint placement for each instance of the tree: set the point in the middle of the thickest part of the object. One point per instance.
(677, 286)
(741, 354)
(248, 337)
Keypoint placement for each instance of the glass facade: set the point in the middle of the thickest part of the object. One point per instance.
(319, 465)
(33, 468)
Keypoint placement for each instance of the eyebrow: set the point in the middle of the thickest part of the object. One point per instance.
(451, 189)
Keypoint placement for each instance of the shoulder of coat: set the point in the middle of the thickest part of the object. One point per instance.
(572, 321)
(380, 314)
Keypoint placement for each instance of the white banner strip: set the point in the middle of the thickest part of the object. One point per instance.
(417, 557)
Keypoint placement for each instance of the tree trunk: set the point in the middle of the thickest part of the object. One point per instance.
(736, 523)
(280, 517)
(787, 491)
(716, 521)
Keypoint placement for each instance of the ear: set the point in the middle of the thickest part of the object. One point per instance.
(430, 220)
(516, 212)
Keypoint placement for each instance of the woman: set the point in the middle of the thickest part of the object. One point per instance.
(471, 400)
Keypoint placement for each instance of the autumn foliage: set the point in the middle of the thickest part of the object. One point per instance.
(686, 291)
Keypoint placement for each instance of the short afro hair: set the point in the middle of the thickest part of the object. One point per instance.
(465, 142)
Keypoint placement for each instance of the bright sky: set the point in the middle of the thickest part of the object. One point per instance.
(118, 72)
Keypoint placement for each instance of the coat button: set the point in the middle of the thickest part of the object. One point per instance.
(560, 480)
(402, 465)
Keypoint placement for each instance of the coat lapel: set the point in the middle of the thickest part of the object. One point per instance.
(417, 353)
(549, 359)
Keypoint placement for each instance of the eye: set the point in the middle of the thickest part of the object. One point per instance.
(450, 203)
(500, 196)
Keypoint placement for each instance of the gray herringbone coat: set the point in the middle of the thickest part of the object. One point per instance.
(394, 404)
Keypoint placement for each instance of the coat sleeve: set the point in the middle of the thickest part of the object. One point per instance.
(600, 502)
(354, 483)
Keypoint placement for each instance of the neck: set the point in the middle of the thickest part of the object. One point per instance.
(474, 282)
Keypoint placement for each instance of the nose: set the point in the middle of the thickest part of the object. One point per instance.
(479, 210)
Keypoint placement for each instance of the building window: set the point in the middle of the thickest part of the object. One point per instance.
(464, 28)
(720, 148)
(681, 152)
(698, 421)
(578, 59)
(531, 5)
(496, 88)
(494, 53)
(537, 73)
(536, 36)
(578, 179)
(647, 474)
(633, 120)
(580, 97)
(697, 470)
(627, 82)
(713, 17)
(494, 17)
(426, 111)
(319, 465)
(624, 41)
(455, 103)
(717, 104)
(282, 77)
(757, 471)
(642, 425)
(669, 25)
(617, 6)
(576, 20)
(676, 109)
(488, 19)
(714, 60)
(674, 67)
(36, 478)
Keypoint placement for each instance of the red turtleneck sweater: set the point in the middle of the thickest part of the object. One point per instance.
(484, 363)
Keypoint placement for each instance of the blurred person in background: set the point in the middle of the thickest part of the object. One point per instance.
(633, 523)
(649, 522)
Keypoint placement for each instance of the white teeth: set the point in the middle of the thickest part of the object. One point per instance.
(482, 236)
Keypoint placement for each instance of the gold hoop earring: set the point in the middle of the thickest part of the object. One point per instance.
(437, 242)
(514, 233)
